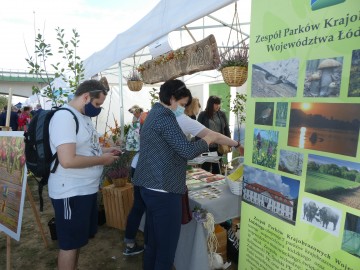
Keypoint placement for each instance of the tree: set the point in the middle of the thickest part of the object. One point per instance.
(357, 179)
(70, 70)
(313, 166)
(154, 93)
(238, 107)
(3, 102)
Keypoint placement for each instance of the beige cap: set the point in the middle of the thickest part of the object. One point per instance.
(135, 108)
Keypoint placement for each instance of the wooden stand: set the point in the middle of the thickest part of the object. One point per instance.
(36, 214)
(118, 202)
(28, 192)
(37, 218)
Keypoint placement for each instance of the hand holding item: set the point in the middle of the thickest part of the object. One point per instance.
(241, 150)
(109, 158)
(115, 150)
(239, 147)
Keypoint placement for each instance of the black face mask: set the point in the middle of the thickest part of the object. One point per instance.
(91, 111)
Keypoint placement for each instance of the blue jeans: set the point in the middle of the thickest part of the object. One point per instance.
(134, 217)
(163, 223)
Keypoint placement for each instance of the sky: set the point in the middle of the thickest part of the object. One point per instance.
(286, 186)
(341, 111)
(97, 22)
(327, 160)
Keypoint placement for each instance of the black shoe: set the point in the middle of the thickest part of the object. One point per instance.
(133, 251)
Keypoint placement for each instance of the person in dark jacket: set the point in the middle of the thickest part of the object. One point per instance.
(13, 119)
(161, 173)
(39, 109)
(215, 119)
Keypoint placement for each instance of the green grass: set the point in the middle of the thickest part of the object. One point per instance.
(320, 182)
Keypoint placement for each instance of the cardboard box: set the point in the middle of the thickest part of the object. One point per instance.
(221, 235)
(118, 202)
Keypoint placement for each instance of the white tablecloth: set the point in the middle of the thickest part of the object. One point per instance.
(191, 253)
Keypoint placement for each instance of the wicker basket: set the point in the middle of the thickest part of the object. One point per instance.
(235, 186)
(120, 182)
(234, 76)
(135, 85)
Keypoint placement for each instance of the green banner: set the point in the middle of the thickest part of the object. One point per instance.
(301, 186)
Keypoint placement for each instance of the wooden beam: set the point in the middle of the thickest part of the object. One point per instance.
(199, 56)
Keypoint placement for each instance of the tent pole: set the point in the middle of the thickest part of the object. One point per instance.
(121, 103)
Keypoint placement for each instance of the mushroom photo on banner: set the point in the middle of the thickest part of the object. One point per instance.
(330, 78)
(323, 77)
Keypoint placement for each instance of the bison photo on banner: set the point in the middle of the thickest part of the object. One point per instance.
(322, 216)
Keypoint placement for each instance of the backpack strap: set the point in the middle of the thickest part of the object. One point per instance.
(54, 156)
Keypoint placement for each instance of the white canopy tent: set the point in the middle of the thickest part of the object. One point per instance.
(183, 21)
(168, 17)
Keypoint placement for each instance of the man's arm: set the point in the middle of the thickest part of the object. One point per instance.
(68, 158)
(219, 138)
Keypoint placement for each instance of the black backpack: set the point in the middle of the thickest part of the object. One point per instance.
(37, 147)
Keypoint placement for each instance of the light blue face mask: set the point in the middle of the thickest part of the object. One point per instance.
(179, 110)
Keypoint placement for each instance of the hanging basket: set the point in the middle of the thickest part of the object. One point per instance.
(135, 85)
(234, 76)
(120, 182)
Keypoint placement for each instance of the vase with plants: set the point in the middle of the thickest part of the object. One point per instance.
(119, 171)
(199, 214)
(134, 81)
(234, 64)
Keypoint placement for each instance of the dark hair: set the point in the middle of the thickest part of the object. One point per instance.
(94, 87)
(175, 88)
(210, 105)
(26, 108)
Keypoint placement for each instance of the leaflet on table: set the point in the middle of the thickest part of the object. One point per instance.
(205, 157)
(205, 176)
(214, 178)
(208, 192)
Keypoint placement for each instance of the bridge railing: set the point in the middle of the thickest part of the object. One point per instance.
(20, 76)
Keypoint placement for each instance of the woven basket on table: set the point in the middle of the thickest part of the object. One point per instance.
(235, 186)
(120, 182)
(135, 85)
(234, 76)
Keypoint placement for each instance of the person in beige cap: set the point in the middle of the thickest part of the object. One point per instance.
(133, 136)
(134, 107)
(136, 111)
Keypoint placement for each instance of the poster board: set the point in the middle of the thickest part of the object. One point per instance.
(301, 188)
(12, 182)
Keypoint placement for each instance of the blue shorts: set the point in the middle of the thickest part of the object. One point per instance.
(76, 220)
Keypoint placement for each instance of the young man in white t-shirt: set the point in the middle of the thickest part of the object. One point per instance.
(74, 185)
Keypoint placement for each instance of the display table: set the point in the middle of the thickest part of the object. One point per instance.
(118, 202)
(226, 207)
(191, 252)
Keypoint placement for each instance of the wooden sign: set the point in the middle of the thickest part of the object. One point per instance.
(199, 56)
